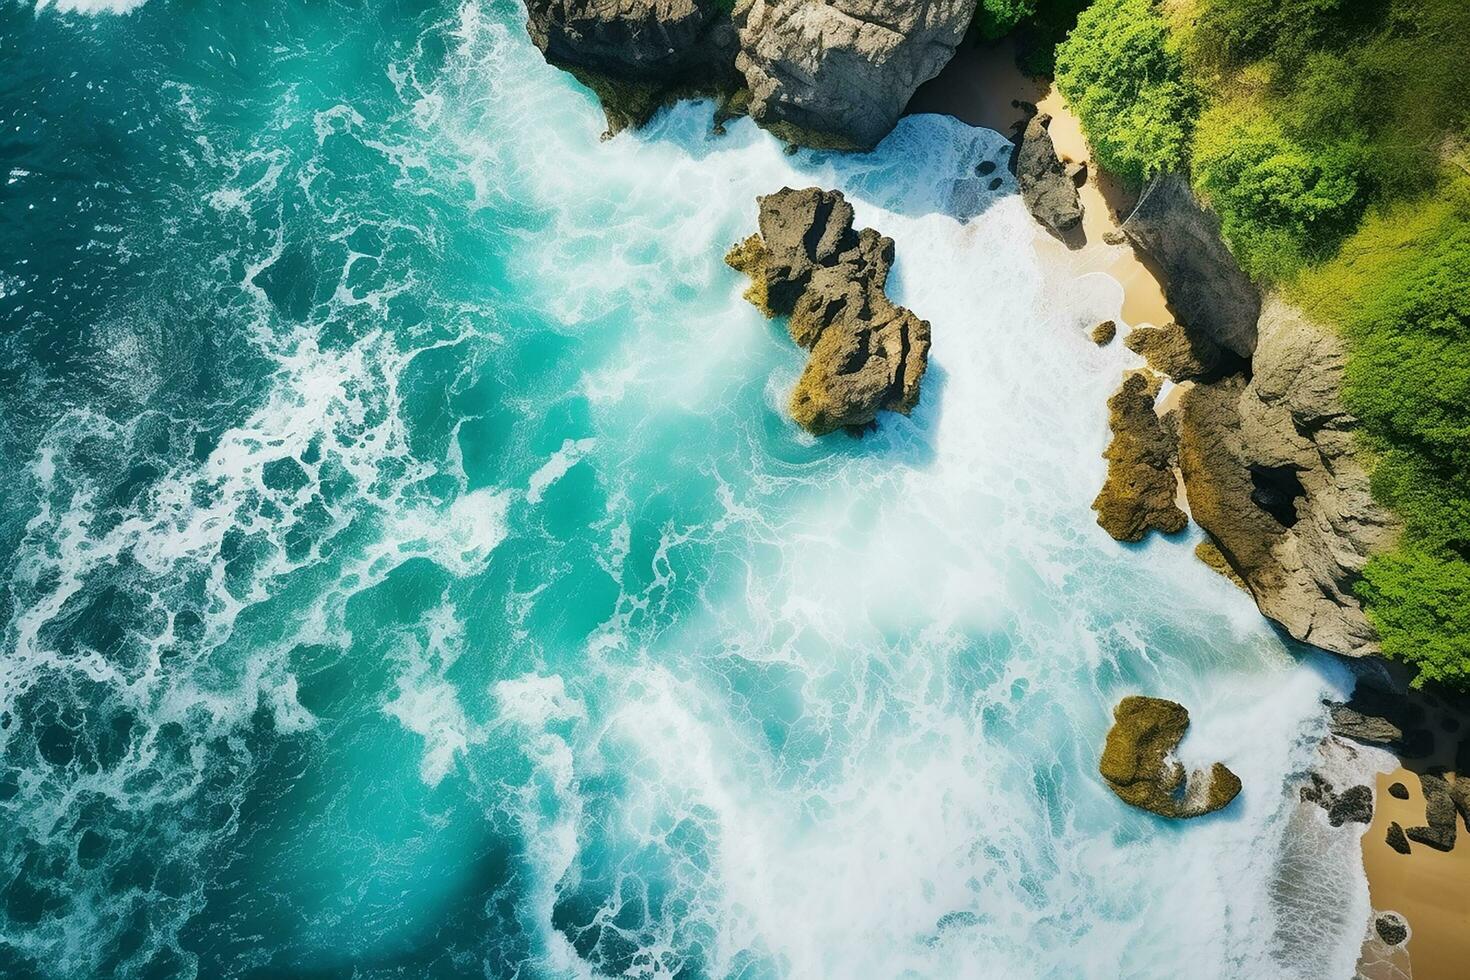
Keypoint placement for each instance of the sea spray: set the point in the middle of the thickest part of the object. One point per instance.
(457, 599)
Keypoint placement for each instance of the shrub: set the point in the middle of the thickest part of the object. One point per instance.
(1121, 71)
(1281, 203)
(997, 18)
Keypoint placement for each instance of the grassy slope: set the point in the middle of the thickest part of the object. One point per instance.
(1330, 135)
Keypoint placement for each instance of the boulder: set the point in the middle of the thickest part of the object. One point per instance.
(1439, 814)
(636, 55)
(1104, 332)
(1182, 355)
(1391, 928)
(1138, 495)
(1395, 838)
(1049, 192)
(1205, 285)
(808, 264)
(838, 73)
(1138, 764)
(1398, 791)
(1270, 472)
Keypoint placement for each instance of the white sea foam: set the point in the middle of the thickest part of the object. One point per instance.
(91, 6)
(943, 622)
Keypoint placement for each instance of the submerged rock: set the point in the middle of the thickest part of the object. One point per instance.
(1138, 764)
(1140, 490)
(1270, 472)
(1204, 283)
(807, 263)
(1049, 192)
(837, 73)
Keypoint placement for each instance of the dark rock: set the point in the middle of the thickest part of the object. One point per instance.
(1205, 285)
(1050, 195)
(808, 264)
(1391, 929)
(1460, 796)
(1139, 493)
(836, 74)
(1181, 355)
(1138, 764)
(637, 55)
(1439, 814)
(986, 168)
(1354, 804)
(1104, 332)
(1270, 469)
(995, 183)
(1395, 838)
(1398, 791)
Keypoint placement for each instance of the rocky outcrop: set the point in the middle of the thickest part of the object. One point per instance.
(1395, 838)
(1270, 473)
(1182, 355)
(1049, 192)
(1205, 284)
(637, 55)
(1140, 490)
(807, 263)
(837, 73)
(1138, 764)
(1352, 805)
(1439, 814)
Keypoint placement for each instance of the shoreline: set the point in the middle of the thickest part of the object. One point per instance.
(977, 88)
(1427, 888)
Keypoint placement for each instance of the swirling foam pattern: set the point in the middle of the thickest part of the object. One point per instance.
(409, 570)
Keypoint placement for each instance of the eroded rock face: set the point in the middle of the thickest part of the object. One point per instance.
(1270, 473)
(1182, 355)
(1140, 490)
(636, 54)
(1138, 763)
(809, 264)
(1049, 192)
(837, 73)
(1205, 284)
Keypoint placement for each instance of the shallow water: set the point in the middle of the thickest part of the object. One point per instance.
(411, 571)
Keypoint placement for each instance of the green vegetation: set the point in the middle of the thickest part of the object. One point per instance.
(1400, 288)
(997, 18)
(1122, 71)
(1333, 139)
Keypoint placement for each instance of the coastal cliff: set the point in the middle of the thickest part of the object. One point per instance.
(833, 75)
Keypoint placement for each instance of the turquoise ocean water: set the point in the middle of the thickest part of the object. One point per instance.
(407, 569)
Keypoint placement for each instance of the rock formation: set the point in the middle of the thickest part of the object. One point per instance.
(1139, 493)
(824, 73)
(1439, 814)
(1395, 838)
(1138, 763)
(837, 73)
(1352, 805)
(1182, 355)
(1205, 284)
(1049, 192)
(807, 263)
(1270, 473)
(637, 54)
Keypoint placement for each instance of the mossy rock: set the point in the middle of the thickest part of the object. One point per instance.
(1138, 764)
(1209, 552)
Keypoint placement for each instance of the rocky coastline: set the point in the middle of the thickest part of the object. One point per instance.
(1255, 435)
